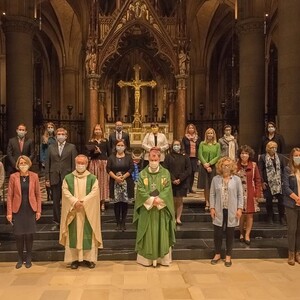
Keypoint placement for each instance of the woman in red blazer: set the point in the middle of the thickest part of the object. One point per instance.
(249, 173)
(24, 207)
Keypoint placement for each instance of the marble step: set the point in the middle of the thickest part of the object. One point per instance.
(187, 231)
(183, 249)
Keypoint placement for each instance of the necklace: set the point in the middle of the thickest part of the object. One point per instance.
(24, 178)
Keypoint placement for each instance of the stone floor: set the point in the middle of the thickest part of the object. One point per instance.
(246, 279)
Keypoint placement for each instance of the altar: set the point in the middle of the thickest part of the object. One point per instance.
(137, 135)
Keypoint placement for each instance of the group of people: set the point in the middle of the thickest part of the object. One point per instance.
(231, 180)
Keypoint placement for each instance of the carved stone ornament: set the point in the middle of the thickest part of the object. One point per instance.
(137, 10)
(19, 24)
(251, 26)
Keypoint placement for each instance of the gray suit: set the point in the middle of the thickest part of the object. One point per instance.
(56, 168)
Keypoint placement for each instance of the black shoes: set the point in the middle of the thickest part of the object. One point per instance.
(215, 261)
(90, 264)
(28, 263)
(228, 263)
(247, 242)
(75, 265)
(19, 264)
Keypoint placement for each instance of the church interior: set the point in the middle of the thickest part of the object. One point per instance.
(77, 63)
(213, 63)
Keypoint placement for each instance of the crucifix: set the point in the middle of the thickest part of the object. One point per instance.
(137, 84)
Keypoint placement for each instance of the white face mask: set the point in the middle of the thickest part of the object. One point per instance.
(271, 129)
(80, 168)
(50, 130)
(21, 133)
(296, 160)
(153, 165)
(24, 168)
(61, 138)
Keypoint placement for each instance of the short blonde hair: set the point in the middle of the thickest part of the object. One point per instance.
(219, 165)
(270, 145)
(61, 129)
(26, 158)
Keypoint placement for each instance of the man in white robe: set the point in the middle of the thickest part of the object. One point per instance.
(80, 227)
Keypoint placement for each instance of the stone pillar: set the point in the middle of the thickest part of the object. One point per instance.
(171, 102)
(289, 72)
(19, 33)
(252, 81)
(70, 91)
(199, 91)
(101, 108)
(92, 111)
(180, 107)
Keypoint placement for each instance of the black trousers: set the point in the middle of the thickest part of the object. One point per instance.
(56, 197)
(27, 240)
(120, 209)
(218, 235)
(293, 228)
(269, 203)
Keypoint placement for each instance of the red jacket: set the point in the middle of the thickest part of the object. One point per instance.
(14, 194)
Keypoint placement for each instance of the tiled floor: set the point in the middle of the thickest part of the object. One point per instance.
(246, 279)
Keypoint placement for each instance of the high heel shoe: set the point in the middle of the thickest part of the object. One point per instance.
(242, 240)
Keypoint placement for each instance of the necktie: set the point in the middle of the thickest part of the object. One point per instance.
(21, 143)
(60, 149)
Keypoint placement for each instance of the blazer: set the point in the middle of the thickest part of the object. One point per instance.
(262, 167)
(113, 138)
(14, 151)
(289, 186)
(57, 167)
(187, 145)
(14, 193)
(149, 143)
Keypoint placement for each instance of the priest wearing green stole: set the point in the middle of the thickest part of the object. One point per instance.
(80, 230)
(154, 214)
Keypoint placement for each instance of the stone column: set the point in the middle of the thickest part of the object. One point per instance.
(252, 81)
(101, 108)
(199, 79)
(289, 72)
(171, 101)
(180, 106)
(19, 33)
(92, 111)
(70, 90)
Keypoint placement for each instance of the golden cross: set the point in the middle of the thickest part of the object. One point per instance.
(137, 84)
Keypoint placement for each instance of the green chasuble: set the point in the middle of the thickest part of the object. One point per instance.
(87, 230)
(155, 228)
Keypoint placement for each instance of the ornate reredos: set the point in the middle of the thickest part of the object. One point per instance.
(137, 26)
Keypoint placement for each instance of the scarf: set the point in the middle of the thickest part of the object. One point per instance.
(231, 146)
(193, 137)
(120, 190)
(243, 175)
(273, 175)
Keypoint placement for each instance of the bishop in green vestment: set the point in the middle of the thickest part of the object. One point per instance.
(154, 214)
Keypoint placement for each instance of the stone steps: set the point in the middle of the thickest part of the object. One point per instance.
(194, 238)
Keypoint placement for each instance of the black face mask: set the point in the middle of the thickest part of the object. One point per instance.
(119, 128)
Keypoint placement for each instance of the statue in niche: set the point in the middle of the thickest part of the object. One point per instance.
(91, 61)
(182, 62)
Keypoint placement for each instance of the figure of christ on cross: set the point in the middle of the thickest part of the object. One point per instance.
(137, 84)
